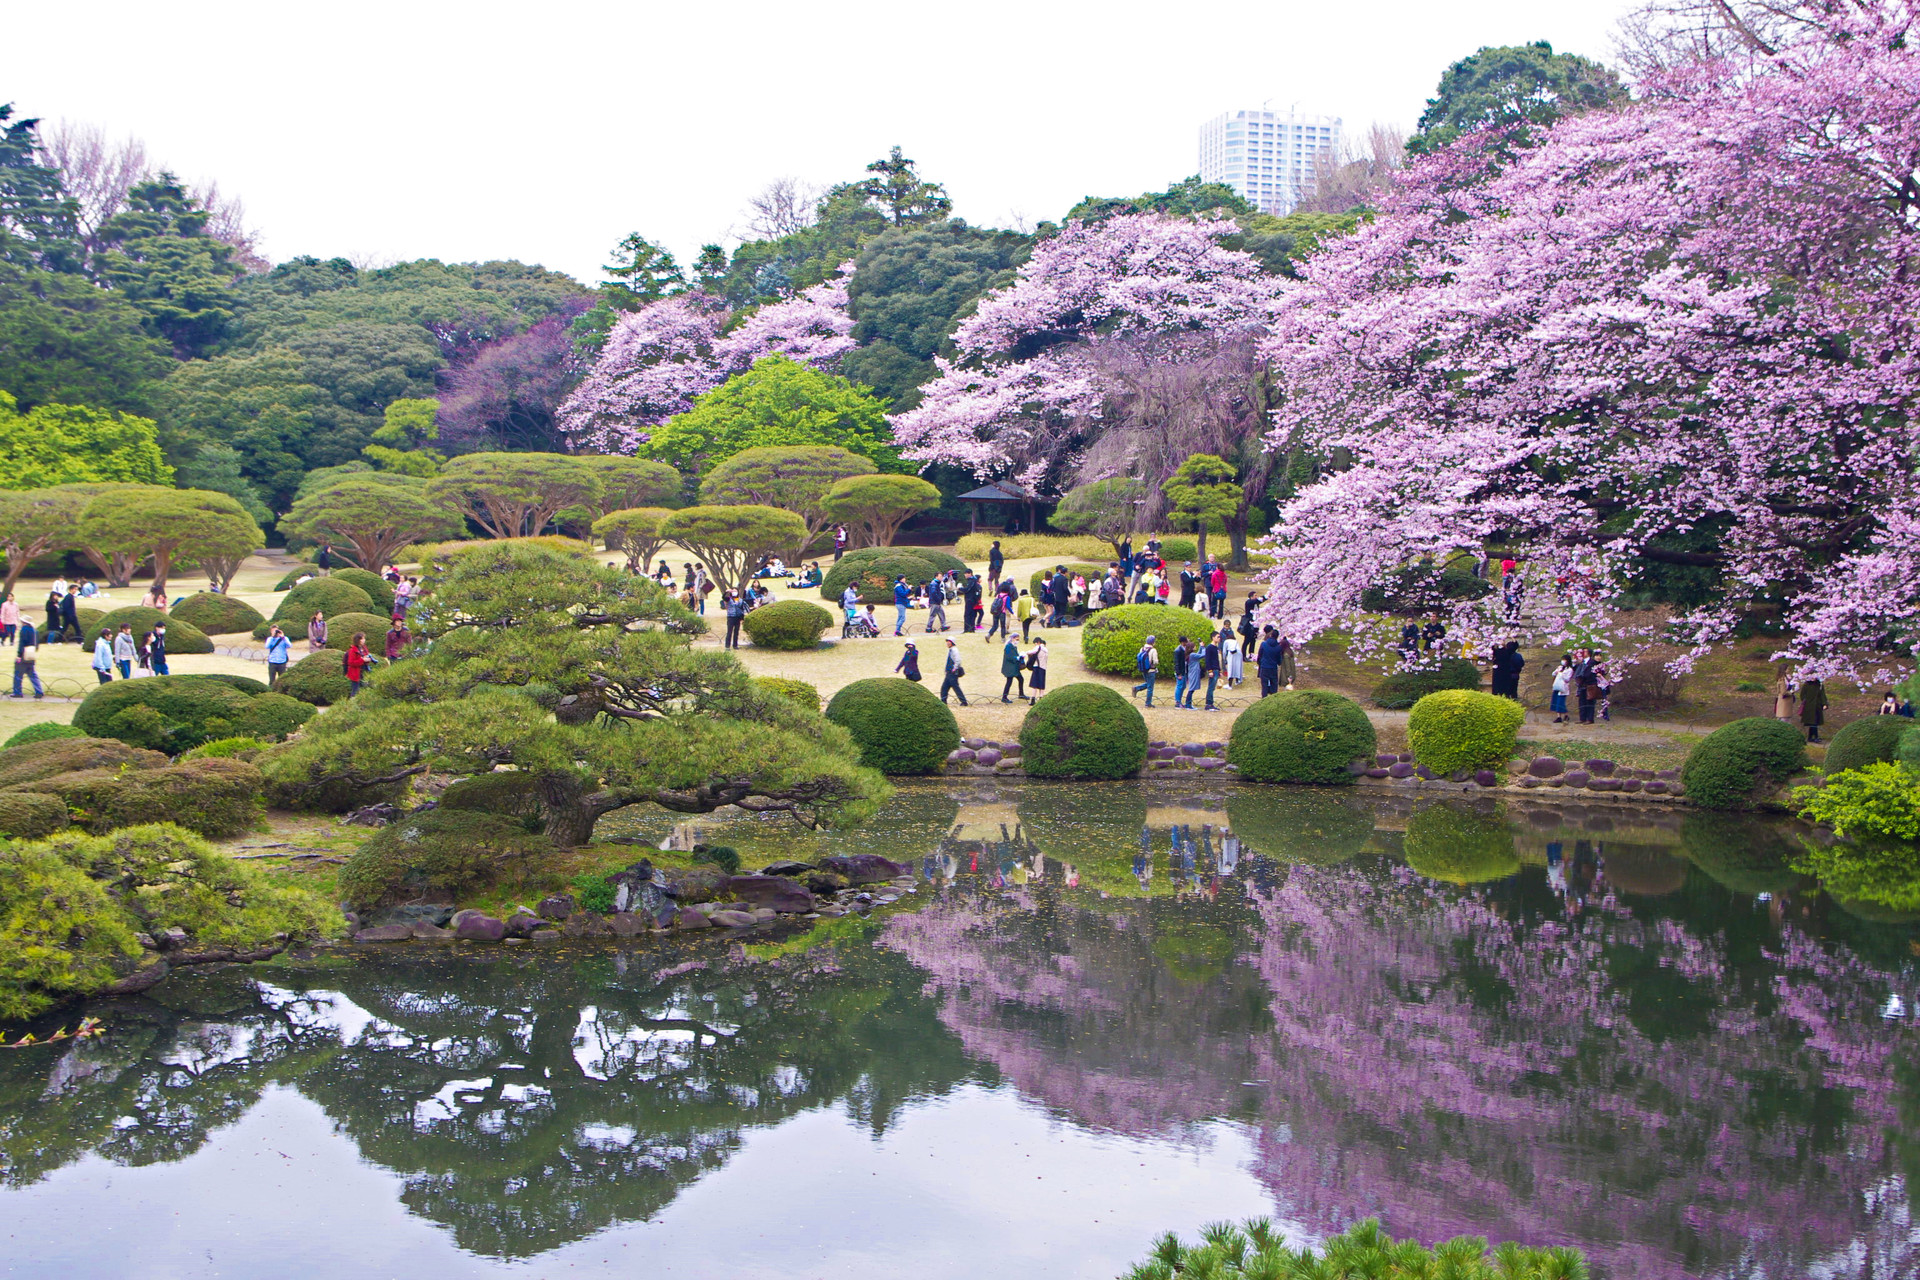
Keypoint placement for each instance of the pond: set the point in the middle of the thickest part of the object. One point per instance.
(1106, 1011)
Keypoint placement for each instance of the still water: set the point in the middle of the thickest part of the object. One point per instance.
(1108, 1010)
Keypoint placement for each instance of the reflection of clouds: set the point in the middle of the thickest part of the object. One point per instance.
(202, 1046)
(603, 1051)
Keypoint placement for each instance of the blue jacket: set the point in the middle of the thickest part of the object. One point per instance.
(278, 648)
(901, 595)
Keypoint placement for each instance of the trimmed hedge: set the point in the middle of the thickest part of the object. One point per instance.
(182, 637)
(942, 561)
(293, 576)
(1865, 741)
(1460, 846)
(1315, 827)
(175, 713)
(328, 596)
(1463, 729)
(788, 624)
(319, 679)
(798, 690)
(340, 629)
(1404, 688)
(1083, 731)
(378, 589)
(873, 575)
(899, 726)
(36, 760)
(1741, 762)
(216, 798)
(215, 614)
(45, 731)
(1112, 637)
(438, 856)
(28, 815)
(1301, 735)
(226, 749)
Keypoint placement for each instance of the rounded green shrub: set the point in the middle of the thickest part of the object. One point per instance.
(1463, 729)
(1404, 688)
(788, 624)
(293, 576)
(873, 575)
(378, 589)
(89, 621)
(182, 637)
(899, 726)
(511, 793)
(1460, 845)
(218, 798)
(319, 678)
(1865, 741)
(43, 732)
(175, 713)
(49, 757)
(1317, 827)
(272, 716)
(1742, 761)
(942, 561)
(1083, 731)
(245, 684)
(328, 596)
(215, 614)
(342, 628)
(226, 749)
(436, 856)
(797, 690)
(28, 815)
(1301, 735)
(1113, 636)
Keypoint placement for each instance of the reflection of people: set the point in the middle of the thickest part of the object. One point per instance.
(1229, 852)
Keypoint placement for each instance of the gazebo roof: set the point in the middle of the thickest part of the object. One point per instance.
(998, 491)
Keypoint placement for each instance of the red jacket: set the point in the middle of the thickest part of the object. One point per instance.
(357, 660)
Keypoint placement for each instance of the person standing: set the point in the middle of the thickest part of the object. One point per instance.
(1232, 655)
(124, 651)
(1062, 595)
(909, 664)
(902, 597)
(1014, 668)
(157, 650)
(950, 683)
(1268, 661)
(1023, 610)
(103, 657)
(1147, 663)
(279, 650)
(1507, 662)
(996, 559)
(26, 655)
(937, 602)
(1037, 668)
(323, 559)
(9, 618)
(357, 661)
(1786, 703)
(1217, 588)
(736, 607)
(1182, 685)
(1287, 671)
(702, 587)
(839, 543)
(1586, 683)
(397, 638)
(1562, 675)
(70, 616)
(316, 632)
(1813, 707)
(970, 612)
(52, 630)
(1002, 615)
(1187, 584)
(1209, 659)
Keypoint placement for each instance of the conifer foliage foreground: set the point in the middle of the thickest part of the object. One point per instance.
(1363, 1252)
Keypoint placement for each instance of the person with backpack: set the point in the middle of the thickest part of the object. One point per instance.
(1147, 663)
(955, 669)
(937, 603)
(279, 651)
(1002, 617)
(970, 612)
(26, 655)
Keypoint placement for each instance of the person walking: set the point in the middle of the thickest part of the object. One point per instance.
(26, 655)
(1002, 615)
(279, 650)
(1813, 707)
(1562, 676)
(1147, 663)
(1268, 661)
(996, 560)
(1786, 702)
(1182, 690)
(970, 613)
(1233, 656)
(124, 651)
(357, 662)
(157, 650)
(1037, 668)
(70, 616)
(902, 597)
(316, 632)
(937, 603)
(950, 683)
(1209, 659)
(909, 664)
(1014, 668)
(103, 657)
(1062, 595)
(9, 618)
(1023, 610)
(735, 603)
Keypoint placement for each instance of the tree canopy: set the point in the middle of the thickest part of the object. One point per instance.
(1520, 87)
(69, 444)
(375, 513)
(636, 531)
(876, 506)
(34, 522)
(169, 525)
(1206, 491)
(512, 495)
(776, 402)
(795, 478)
(731, 541)
(1105, 509)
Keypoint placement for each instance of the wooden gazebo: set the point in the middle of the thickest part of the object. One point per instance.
(1000, 491)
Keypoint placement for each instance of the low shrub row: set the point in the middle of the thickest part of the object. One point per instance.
(102, 784)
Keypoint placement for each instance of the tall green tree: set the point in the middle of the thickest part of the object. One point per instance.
(641, 272)
(401, 444)
(63, 339)
(731, 541)
(777, 402)
(169, 525)
(1187, 198)
(68, 444)
(897, 190)
(1206, 491)
(39, 225)
(218, 467)
(512, 495)
(794, 478)
(1524, 87)
(159, 256)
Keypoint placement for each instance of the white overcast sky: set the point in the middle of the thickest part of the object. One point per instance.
(545, 132)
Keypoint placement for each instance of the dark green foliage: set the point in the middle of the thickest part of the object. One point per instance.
(797, 690)
(1295, 825)
(174, 713)
(64, 340)
(245, 684)
(788, 624)
(226, 749)
(378, 589)
(319, 678)
(942, 561)
(45, 759)
(512, 793)
(1522, 87)
(900, 727)
(158, 255)
(214, 614)
(1741, 762)
(1187, 198)
(1402, 689)
(292, 577)
(1112, 637)
(1305, 735)
(1421, 588)
(592, 891)
(218, 798)
(1864, 741)
(341, 629)
(436, 856)
(182, 636)
(1748, 856)
(873, 575)
(1460, 845)
(42, 732)
(28, 815)
(723, 856)
(1083, 731)
(326, 596)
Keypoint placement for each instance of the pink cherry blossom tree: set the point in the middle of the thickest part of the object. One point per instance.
(660, 359)
(1691, 314)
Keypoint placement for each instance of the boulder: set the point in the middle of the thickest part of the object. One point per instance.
(524, 924)
(1459, 775)
(823, 882)
(377, 815)
(698, 885)
(973, 743)
(557, 907)
(1528, 780)
(1546, 767)
(1600, 768)
(1386, 759)
(1425, 774)
(414, 913)
(1010, 749)
(786, 867)
(1400, 769)
(1378, 772)
(1603, 784)
(385, 933)
(626, 924)
(545, 935)
(1406, 757)
(1487, 778)
(863, 868)
(988, 756)
(731, 919)
(691, 919)
(1576, 778)
(1157, 742)
(960, 755)
(478, 926)
(1210, 762)
(430, 933)
(1632, 784)
(587, 924)
(1658, 787)
(1215, 746)
(643, 898)
(1193, 749)
(775, 892)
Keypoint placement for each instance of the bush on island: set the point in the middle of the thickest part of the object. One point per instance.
(1460, 845)
(1463, 729)
(1741, 762)
(783, 687)
(1865, 741)
(73, 907)
(1083, 731)
(182, 637)
(1112, 637)
(788, 624)
(1404, 688)
(43, 732)
(900, 727)
(1301, 735)
(214, 614)
(436, 856)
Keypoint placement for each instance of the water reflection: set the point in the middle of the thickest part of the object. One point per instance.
(1644, 1034)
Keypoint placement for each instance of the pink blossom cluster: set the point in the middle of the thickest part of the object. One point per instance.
(660, 359)
(1693, 312)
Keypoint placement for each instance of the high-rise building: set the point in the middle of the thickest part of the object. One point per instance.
(1265, 156)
